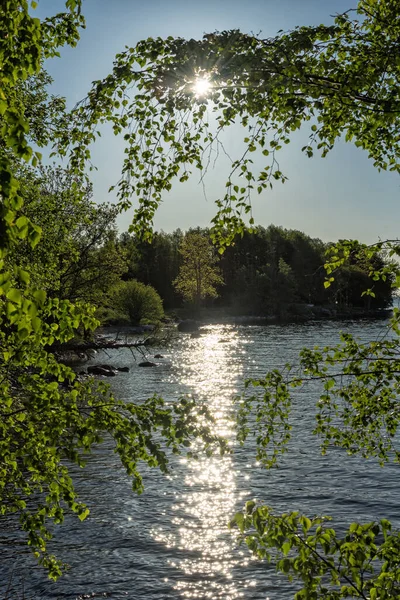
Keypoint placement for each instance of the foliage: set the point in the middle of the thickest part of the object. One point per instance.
(362, 563)
(77, 258)
(198, 274)
(271, 271)
(137, 302)
(51, 424)
(378, 263)
(25, 42)
(49, 419)
(341, 80)
(156, 264)
(45, 113)
(357, 411)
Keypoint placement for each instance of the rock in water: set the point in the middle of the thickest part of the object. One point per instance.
(147, 363)
(105, 370)
(188, 325)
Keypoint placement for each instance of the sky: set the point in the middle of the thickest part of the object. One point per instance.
(340, 196)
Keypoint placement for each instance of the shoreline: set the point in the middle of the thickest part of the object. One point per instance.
(301, 314)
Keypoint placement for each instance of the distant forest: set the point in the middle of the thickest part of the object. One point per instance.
(272, 271)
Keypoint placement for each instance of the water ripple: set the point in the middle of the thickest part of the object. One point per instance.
(173, 541)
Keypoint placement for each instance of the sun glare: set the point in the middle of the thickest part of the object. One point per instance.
(202, 87)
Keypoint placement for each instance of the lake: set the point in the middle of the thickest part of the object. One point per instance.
(173, 541)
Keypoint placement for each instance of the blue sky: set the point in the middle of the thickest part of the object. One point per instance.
(341, 196)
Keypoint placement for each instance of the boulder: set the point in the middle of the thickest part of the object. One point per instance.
(147, 363)
(158, 356)
(123, 369)
(188, 326)
(102, 370)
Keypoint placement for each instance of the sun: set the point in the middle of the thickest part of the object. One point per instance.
(202, 87)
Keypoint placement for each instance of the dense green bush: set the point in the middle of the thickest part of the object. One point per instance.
(136, 302)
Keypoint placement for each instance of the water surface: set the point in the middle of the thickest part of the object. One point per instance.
(173, 541)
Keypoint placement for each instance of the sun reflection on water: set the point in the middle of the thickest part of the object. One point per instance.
(209, 367)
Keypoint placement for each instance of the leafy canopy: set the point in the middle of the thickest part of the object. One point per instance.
(77, 258)
(339, 80)
(49, 419)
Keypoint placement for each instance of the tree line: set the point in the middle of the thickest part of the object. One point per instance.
(269, 271)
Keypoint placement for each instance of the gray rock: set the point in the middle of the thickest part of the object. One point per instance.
(102, 370)
(188, 325)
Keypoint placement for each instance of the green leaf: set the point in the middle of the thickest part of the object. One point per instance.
(34, 236)
(22, 224)
(15, 296)
(40, 297)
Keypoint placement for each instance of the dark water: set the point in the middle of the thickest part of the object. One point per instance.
(172, 542)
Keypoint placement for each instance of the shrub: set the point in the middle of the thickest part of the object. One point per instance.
(137, 302)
